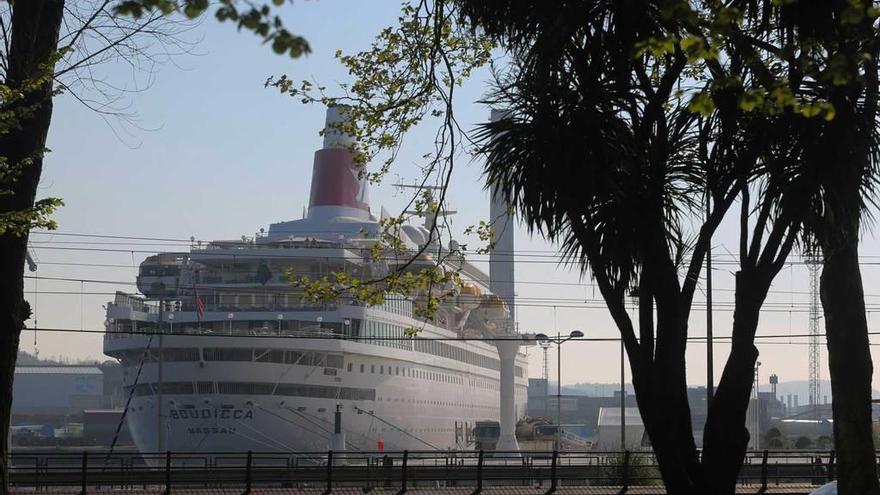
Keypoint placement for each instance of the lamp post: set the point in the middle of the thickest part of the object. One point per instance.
(159, 289)
(280, 318)
(229, 317)
(559, 340)
(757, 442)
(622, 396)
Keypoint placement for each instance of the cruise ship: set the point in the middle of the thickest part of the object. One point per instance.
(222, 353)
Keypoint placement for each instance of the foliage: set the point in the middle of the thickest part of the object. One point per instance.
(136, 32)
(409, 74)
(639, 470)
(803, 443)
(259, 19)
(17, 105)
(617, 126)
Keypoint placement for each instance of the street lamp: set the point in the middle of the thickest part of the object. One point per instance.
(279, 317)
(757, 442)
(559, 340)
(229, 317)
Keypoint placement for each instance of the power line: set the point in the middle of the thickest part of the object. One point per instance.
(191, 241)
(81, 280)
(523, 282)
(779, 305)
(694, 338)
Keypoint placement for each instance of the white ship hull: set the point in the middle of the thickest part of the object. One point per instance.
(402, 398)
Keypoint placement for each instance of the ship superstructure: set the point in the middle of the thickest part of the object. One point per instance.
(221, 353)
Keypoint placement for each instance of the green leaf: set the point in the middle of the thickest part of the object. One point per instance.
(702, 104)
(752, 99)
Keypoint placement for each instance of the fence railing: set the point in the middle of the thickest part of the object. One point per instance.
(399, 470)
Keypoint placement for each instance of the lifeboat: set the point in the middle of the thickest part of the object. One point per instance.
(469, 297)
(159, 276)
(493, 308)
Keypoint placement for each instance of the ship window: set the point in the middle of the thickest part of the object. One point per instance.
(292, 357)
(228, 354)
(269, 355)
(335, 361)
(382, 369)
(177, 387)
(313, 359)
(397, 370)
(372, 368)
(142, 389)
(349, 367)
(245, 388)
(205, 387)
(362, 367)
(183, 354)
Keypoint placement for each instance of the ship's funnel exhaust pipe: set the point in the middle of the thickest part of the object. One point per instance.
(337, 188)
(501, 266)
(501, 283)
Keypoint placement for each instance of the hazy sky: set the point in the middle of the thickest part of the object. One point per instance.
(219, 157)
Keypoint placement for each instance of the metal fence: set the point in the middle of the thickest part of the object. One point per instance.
(399, 470)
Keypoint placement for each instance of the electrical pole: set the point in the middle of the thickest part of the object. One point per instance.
(710, 372)
(160, 430)
(558, 391)
(813, 263)
(545, 346)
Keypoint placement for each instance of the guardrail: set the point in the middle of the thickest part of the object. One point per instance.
(400, 470)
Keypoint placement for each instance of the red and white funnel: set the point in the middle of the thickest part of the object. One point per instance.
(337, 188)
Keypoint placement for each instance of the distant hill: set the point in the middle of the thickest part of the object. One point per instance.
(28, 359)
(590, 388)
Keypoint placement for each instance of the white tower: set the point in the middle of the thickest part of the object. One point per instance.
(501, 283)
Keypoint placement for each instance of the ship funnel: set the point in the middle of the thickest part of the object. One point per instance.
(338, 191)
(501, 262)
(501, 283)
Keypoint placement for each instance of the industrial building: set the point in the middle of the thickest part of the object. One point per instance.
(76, 403)
(57, 390)
(610, 426)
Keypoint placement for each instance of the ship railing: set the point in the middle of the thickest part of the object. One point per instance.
(196, 329)
(399, 470)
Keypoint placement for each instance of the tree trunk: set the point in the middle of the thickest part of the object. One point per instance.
(725, 437)
(34, 38)
(672, 440)
(845, 155)
(849, 360)
(661, 390)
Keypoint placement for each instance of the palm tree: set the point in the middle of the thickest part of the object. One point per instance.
(832, 52)
(599, 153)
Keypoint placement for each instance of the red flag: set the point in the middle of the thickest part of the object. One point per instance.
(200, 303)
(200, 307)
(381, 445)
